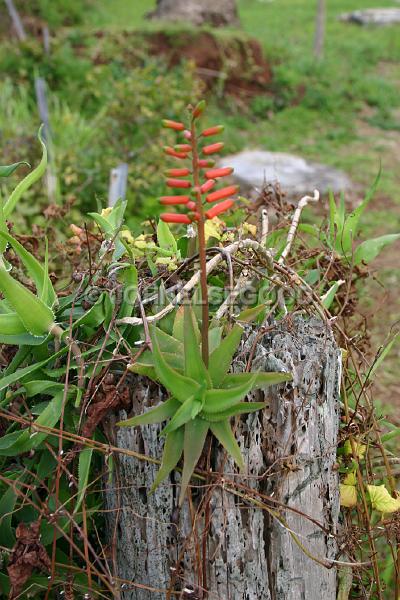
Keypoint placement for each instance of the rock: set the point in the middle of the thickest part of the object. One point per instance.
(295, 175)
(217, 13)
(373, 16)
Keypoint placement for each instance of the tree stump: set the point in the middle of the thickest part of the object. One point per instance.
(217, 13)
(233, 540)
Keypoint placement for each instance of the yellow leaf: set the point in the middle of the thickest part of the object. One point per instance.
(106, 211)
(249, 228)
(350, 479)
(348, 495)
(381, 499)
(213, 228)
(360, 449)
(126, 235)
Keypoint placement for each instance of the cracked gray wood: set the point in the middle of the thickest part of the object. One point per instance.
(290, 453)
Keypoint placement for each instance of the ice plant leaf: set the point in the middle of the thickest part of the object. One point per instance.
(37, 317)
(29, 180)
(194, 438)
(224, 435)
(180, 386)
(221, 358)
(160, 413)
(173, 449)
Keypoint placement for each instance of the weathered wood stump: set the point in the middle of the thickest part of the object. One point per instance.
(234, 540)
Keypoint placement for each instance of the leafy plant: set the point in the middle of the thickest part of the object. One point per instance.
(202, 399)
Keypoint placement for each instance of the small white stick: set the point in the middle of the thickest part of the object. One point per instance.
(295, 223)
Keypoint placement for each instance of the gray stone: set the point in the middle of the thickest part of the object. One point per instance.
(373, 16)
(295, 175)
(217, 13)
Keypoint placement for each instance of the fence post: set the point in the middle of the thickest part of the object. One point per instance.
(118, 182)
(41, 98)
(19, 28)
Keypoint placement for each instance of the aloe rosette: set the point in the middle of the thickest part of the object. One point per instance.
(202, 398)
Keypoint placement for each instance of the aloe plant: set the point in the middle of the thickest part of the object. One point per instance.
(202, 398)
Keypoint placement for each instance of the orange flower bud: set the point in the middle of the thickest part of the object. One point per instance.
(198, 109)
(175, 218)
(178, 183)
(222, 172)
(213, 131)
(166, 200)
(204, 163)
(183, 148)
(213, 148)
(207, 186)
(173, 125)
(177, 172)
(224, 193)
(171, 152)
(219, 208)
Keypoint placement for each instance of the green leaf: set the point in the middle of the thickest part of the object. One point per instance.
(370, 249)
(260, 379)
(10, 445)
(48, 388)
(37, 317)
(7, 170)
(85, 459)
(165, 238)
(94, 316)
(179, 327)
(35, 270)
(214, 338)
(129, 278)
(224, 435)
(7, 506)
(17, 376)
(29, 180)
(160, 413)
(180, 386)
(103, 224)
(250, 314)
(194, 365)
(329, 297)
(381, 499)
(221, 358)
(173, 449)
(241, 408)
(194, 439)
(218, 400)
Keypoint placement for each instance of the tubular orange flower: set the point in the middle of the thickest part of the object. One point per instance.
(223, 193)
(199, 108)
(178, 183)
(213, 131)
(175, 218)
(215, 173)
(167, 200)
(191, 205)
(213, 148)
(171, 152)
(219, 208)
(173, 125)
(204, 163)
(183, 148)
(177, 172)
(207, 186)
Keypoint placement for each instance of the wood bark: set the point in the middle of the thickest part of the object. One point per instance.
(290, 453)
(212, 12)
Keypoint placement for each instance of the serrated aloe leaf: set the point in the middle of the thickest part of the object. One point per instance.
(160, 413)
(218, 400)
(29, 180)
(214, 338)
(251, 314)
(260, 380)
(224, 434)
(221, 358)
(129, 278)
(169, 344)
(187, 411)
(94, 316)
(37, 317)
(194, 366)
(35, 270)
(33, 388)
(11, 324)
(179, 326)
(7, 170)
(241, 408)
(173, 449)
(193, 444)
(145, 364)
(180, 386)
